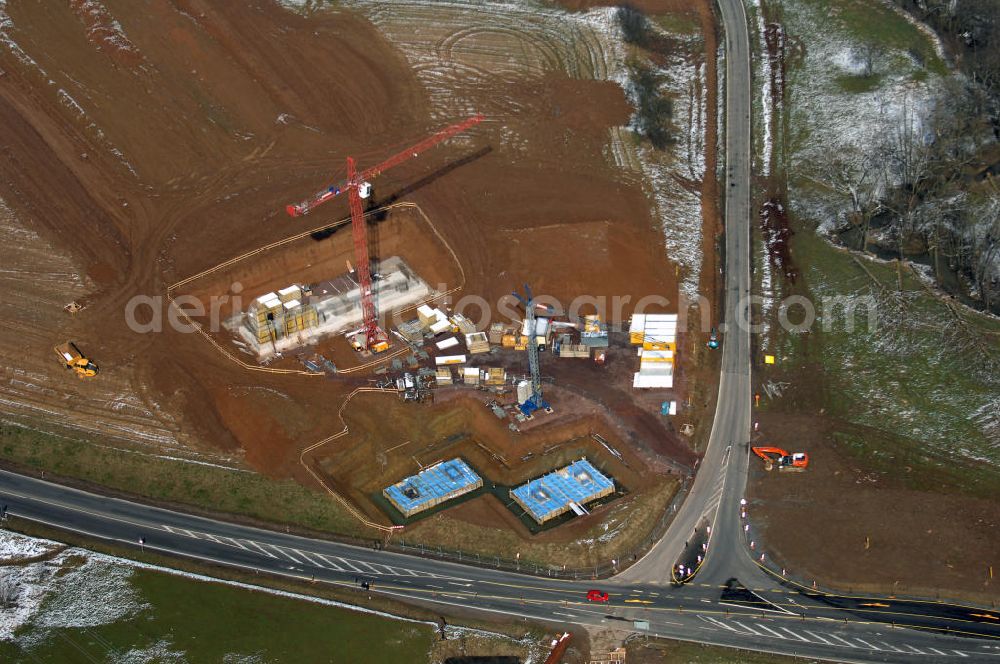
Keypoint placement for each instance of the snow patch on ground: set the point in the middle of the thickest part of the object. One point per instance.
(73, 589)
(835, 125)
(459, 48)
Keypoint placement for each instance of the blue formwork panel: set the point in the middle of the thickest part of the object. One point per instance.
(550, 495)
(432, 486)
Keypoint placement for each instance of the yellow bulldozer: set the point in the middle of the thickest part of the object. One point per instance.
(72, 358)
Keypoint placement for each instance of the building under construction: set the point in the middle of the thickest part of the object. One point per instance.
(297, 315)
(432, 486)
(563, 490)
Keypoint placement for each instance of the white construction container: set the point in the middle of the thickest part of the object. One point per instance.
(445, 360)
(447, 343)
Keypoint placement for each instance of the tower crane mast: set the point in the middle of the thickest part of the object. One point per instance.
(358, 188)
(535, 401)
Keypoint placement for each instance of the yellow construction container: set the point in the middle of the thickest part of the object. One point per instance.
(509, 340)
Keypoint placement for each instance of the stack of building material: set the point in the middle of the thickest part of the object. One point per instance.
(477, 342)
(274, 316)
(494, 376)
(496, 333)
(654, 331)
(524, 391)
(444, 360)
(542, 330)
(425, 315)
(412, 331)
(434, 320)
(470, 375)
(595, 332)
(574, 350)
(443, 376)
(462, 324)
(509, 338)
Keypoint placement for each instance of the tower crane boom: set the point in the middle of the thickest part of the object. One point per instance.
(358, 188)
(331, 192)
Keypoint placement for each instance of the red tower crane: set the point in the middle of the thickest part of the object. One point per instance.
(358, 188)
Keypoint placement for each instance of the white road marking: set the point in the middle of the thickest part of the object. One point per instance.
(943, 654)
(369, 566)
(817, 636)
(308, 559)
(844, 641)
(285, 553)
(893, 647)
(867, 645)
(349, 565)
(959, 653)
(329, 562)
(260, 548)
(747, 628)
(914, 649)
(801, 638)
(777, 634)
(719, 623)
(567, 615)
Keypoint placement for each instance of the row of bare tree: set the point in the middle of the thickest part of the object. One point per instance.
(928, 190)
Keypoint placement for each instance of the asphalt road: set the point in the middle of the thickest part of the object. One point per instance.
(766, 617)
(732, 601)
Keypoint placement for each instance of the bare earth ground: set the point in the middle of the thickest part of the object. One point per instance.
(144, 146)
(918, 540)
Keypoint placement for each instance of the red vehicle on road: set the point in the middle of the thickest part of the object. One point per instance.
(597, 596)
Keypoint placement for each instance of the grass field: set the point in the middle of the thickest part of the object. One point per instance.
(874, 23)
(79, 606)
(182, 619)
(924, 377)
(920, 388)
(203, 486)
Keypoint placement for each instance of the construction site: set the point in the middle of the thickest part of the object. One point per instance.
(320, 234)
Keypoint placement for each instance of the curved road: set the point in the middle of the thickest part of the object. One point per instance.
(732, 601)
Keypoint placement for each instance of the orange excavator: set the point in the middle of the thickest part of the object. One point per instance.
(775, 456)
